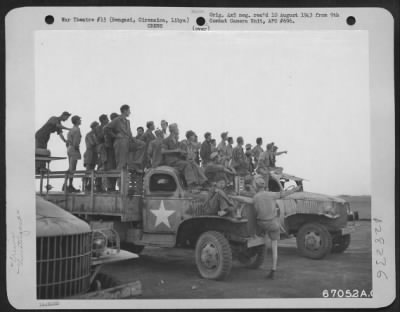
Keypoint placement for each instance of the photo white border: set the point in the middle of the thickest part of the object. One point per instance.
(21, 25)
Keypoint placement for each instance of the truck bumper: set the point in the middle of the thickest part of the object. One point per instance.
(255, 241)
(114, 257)
(348, 229)
(119, 292)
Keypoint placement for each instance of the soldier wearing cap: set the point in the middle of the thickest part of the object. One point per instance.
(267, 218)
(90, 155)
(73, 141)
(206, 149)
(42, 136)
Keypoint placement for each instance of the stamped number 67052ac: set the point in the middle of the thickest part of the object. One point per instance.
(346, 293)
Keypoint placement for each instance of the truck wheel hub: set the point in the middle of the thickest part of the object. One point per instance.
(209, 256)
(312, 241)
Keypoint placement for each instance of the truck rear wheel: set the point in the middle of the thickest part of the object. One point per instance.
(340, 243)
(253, 258)
(213, 255)
(314, 241)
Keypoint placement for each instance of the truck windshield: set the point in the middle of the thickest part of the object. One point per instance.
(161, 182)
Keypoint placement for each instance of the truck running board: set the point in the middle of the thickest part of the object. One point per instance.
(157, 239)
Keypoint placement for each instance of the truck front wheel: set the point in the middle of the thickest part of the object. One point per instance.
(213, 255)
(253, 258)
(314, 241)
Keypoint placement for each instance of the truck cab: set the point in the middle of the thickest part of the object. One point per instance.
(320, 223)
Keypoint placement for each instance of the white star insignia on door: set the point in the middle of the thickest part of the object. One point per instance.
(162, 215)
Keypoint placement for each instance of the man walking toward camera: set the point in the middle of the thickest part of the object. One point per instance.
(267, 219)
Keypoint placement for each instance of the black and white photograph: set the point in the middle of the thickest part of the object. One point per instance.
(187, 153)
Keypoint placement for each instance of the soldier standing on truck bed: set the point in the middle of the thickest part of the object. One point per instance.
(90, 155)
(239, 162)
(101, 150)
(164, 128)
(42, 136)
(264, 164)
(147, 137)
(257, 150)
(154, 151)
(74, 154)
(267, 219)
(274, 154)
(121, 130)
(222, 148)
(205, 150)
(110, 164)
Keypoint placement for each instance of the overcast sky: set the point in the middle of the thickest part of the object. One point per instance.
(307, 91)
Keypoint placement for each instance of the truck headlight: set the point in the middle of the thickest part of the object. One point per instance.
(99, 243)
(329, 208)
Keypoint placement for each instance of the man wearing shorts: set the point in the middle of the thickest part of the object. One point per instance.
(267, 221)
(74, 154)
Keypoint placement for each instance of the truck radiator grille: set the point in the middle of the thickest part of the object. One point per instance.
(63, 265)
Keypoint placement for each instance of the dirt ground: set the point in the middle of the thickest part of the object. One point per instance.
(172, 273)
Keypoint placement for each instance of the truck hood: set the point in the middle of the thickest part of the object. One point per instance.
(52, 220)
(316, 196)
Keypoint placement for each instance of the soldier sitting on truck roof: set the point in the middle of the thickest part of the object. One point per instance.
(215, 168)
(175, 157)
(217, 202)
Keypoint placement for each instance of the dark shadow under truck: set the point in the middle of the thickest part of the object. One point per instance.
(158, 210)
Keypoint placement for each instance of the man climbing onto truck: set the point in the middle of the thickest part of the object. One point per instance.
(267, 220)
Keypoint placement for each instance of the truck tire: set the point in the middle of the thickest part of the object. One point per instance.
(103, 281)
(137, 249)
(213, 255)
(314, 241)
(340, 243)
(253, 259)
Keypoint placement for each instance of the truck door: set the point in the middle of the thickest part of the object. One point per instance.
(164, 203)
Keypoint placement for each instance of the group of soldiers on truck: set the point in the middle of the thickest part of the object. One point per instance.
(110, 145)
